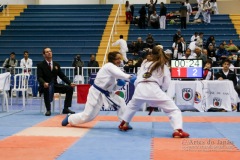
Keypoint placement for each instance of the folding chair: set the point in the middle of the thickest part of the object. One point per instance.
(43, 108)
(20, 85)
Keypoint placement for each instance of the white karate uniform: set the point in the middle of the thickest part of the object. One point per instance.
(162, 21)
(106, 80)
(193, 38)
(189, 11)
(200, 6)
(214, 7)
(26, 65)
(206, 13)
(123, 48)
(151, 91)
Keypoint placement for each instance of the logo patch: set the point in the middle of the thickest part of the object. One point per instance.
(187, 94)
(197, 98)
(217, 102)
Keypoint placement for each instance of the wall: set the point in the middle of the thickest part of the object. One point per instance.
(19, 1)
(232, 6)
(76, 1)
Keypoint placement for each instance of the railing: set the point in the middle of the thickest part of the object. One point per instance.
(113, 31)
(83, 75)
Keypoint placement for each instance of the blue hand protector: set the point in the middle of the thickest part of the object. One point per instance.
(121, 82)
(133, 79)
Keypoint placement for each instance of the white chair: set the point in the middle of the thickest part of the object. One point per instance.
(20, 85)
(4, 88)
(43, 108)
(78, 79)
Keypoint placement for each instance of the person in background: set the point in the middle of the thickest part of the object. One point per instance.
(211, 53)
(231, 47)
(194, 37)
(207, 70)
(123, 48)
(10, 63)
(200, 6)
(138, 64)
(200, 41)
(222, 53)
(210, 40)
(128, 12)
(189, 10)
(78, 64)
(162, 16)
(150, 41)
(188, 54)
(142, 13)
(183, 14)
(47, 73)
(200, 55)
(214, 6)
(207, 9)
(129, 67)
(151, 9)
(177, 35)
(154, 20)
(226, 73)
(26, 63)
(92, 63)
(140, 45)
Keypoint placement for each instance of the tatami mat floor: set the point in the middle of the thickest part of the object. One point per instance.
(28, 134)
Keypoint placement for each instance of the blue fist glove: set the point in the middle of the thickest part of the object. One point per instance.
(121, 82)
(133, 79)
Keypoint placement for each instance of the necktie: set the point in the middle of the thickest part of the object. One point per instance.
(50, 67)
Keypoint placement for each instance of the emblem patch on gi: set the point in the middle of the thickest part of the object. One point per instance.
(187, 94)
(147, 75)
(217, 102)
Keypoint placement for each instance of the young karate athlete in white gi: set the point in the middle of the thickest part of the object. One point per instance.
(153, 79)
(109, 79)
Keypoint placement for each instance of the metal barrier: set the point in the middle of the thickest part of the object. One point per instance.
(113, 31)
(86, 72)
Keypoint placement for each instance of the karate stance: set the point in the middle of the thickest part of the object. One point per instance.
(109, 78)
(152, 80)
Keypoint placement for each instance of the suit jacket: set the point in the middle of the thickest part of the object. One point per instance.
(44, 74)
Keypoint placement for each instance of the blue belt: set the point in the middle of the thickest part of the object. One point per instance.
(106, 93)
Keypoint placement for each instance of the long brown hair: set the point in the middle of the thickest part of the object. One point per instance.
(159, 58)
(112, 56)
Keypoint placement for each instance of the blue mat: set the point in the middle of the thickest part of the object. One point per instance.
(230, 131)
(107, 142)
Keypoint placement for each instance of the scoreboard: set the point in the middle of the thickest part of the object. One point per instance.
(187, 68)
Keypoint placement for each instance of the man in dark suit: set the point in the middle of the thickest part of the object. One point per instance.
(47, 72)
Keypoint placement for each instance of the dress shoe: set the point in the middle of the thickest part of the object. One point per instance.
(65, 120)
(66, 111)
(48, 113)
(179, 133)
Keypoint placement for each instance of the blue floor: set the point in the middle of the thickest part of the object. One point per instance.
(105, 141)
